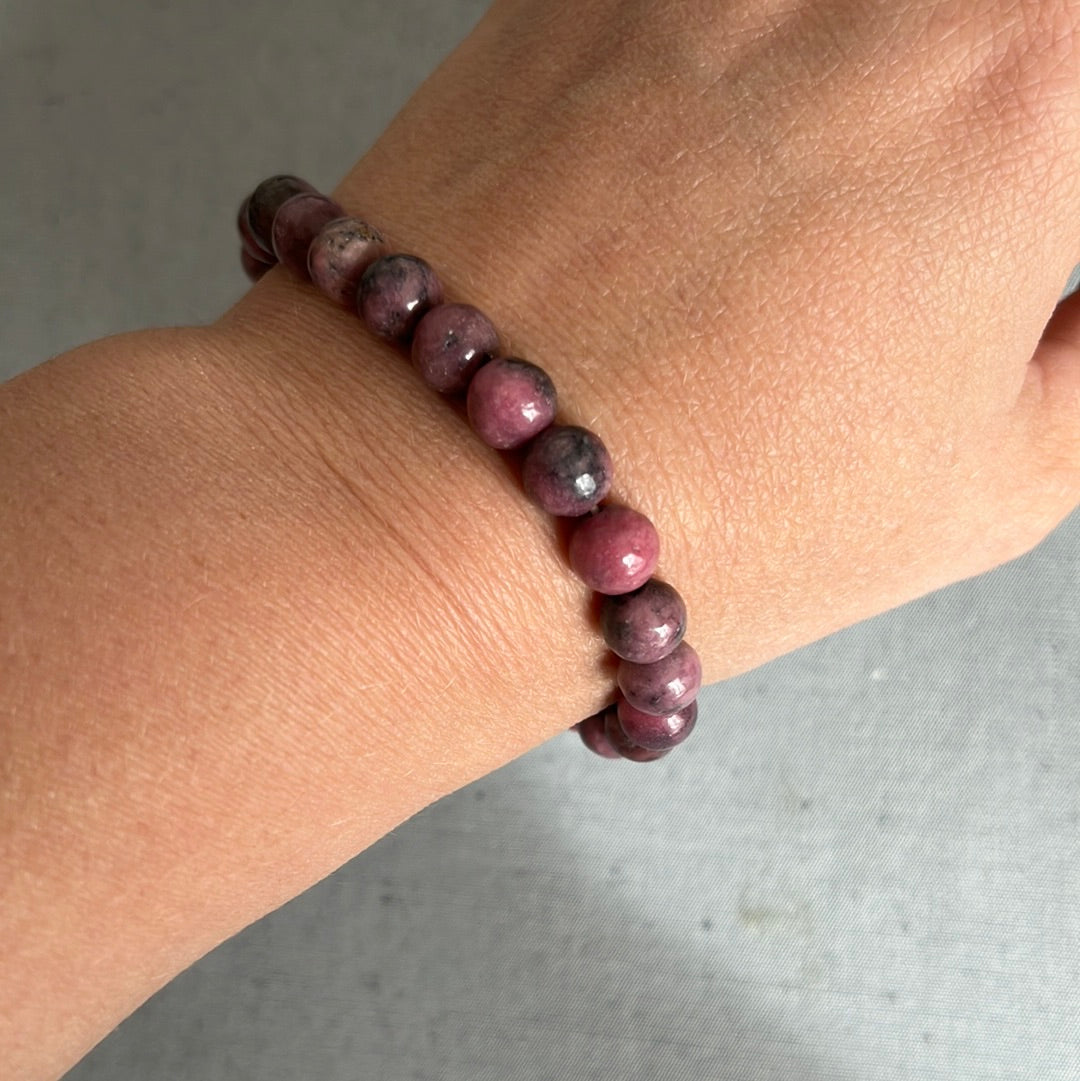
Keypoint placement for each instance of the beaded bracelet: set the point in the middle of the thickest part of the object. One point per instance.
(511, 403)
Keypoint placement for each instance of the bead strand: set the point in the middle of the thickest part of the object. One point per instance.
(510, 403)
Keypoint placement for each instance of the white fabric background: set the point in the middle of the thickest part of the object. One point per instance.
(863, 866)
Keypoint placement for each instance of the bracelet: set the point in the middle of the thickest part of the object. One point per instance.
(511, 404)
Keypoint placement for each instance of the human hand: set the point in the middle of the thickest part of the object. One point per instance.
(793, 271)
(792, 266)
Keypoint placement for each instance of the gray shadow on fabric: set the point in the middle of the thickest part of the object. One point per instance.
(474, 942)
(861, 866)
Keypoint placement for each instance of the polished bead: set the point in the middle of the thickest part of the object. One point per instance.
(644, 625)
(657, 732)
(614, 550)
(338, 256)
(664, 686)
(594, 736)
(623, 745)
(297, 223)
(253, 267)
(567, 470)
(263, 204)
(510, 401)
(396, 292)
(247, 237)
(450, 343)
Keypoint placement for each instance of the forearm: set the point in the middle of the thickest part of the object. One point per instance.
(262, 596)
(252, 618)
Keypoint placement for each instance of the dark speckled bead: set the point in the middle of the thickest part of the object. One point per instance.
(338, 256)
(247, 237)
(594, 736)
(263, 204)
(396, 292)
(614, 550)
(297, 223)
(657, 733)
(624, 746)
(644, 625)
(510, 401)
(664, 686)
(567, 470)
(450, 343)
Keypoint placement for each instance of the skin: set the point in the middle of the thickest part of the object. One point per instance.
(262, 597)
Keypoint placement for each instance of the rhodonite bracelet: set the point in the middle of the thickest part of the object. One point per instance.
(511, 404)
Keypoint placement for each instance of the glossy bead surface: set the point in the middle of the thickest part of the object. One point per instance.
(644, 625)
(614, 550)
(510, 401)
(664, 686)
(338, 256)
(263, 204)
(297, 223)
(247, 237)
(396, 292)
(624, 746)
(450, 343)
(253, 268)
(594, 736)
(567, 470)
(657, 732)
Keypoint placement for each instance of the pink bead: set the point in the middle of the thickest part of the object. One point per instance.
(664, 686)
(614, 550)
(338, 256)
(644, 625)
(657, 733)
(264, 202)
(510, 401)
(624, 746)
(566, 470)
(450, 343)
(248, 240)
(594, 736)
(297, 223)
(396, 292)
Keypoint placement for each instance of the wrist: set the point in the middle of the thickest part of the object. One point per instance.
(295, 607)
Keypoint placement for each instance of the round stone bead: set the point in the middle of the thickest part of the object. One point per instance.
(567, 470)
(297, 223)
(657, 733)
(396, 292)
(664, 686)
(594, 736)
(247, 237)
(510, 401)
(338, 256)
(614, 550)
(450, 343)
(644, 625)
(264, 202)
(624, 746)
(253, 268)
